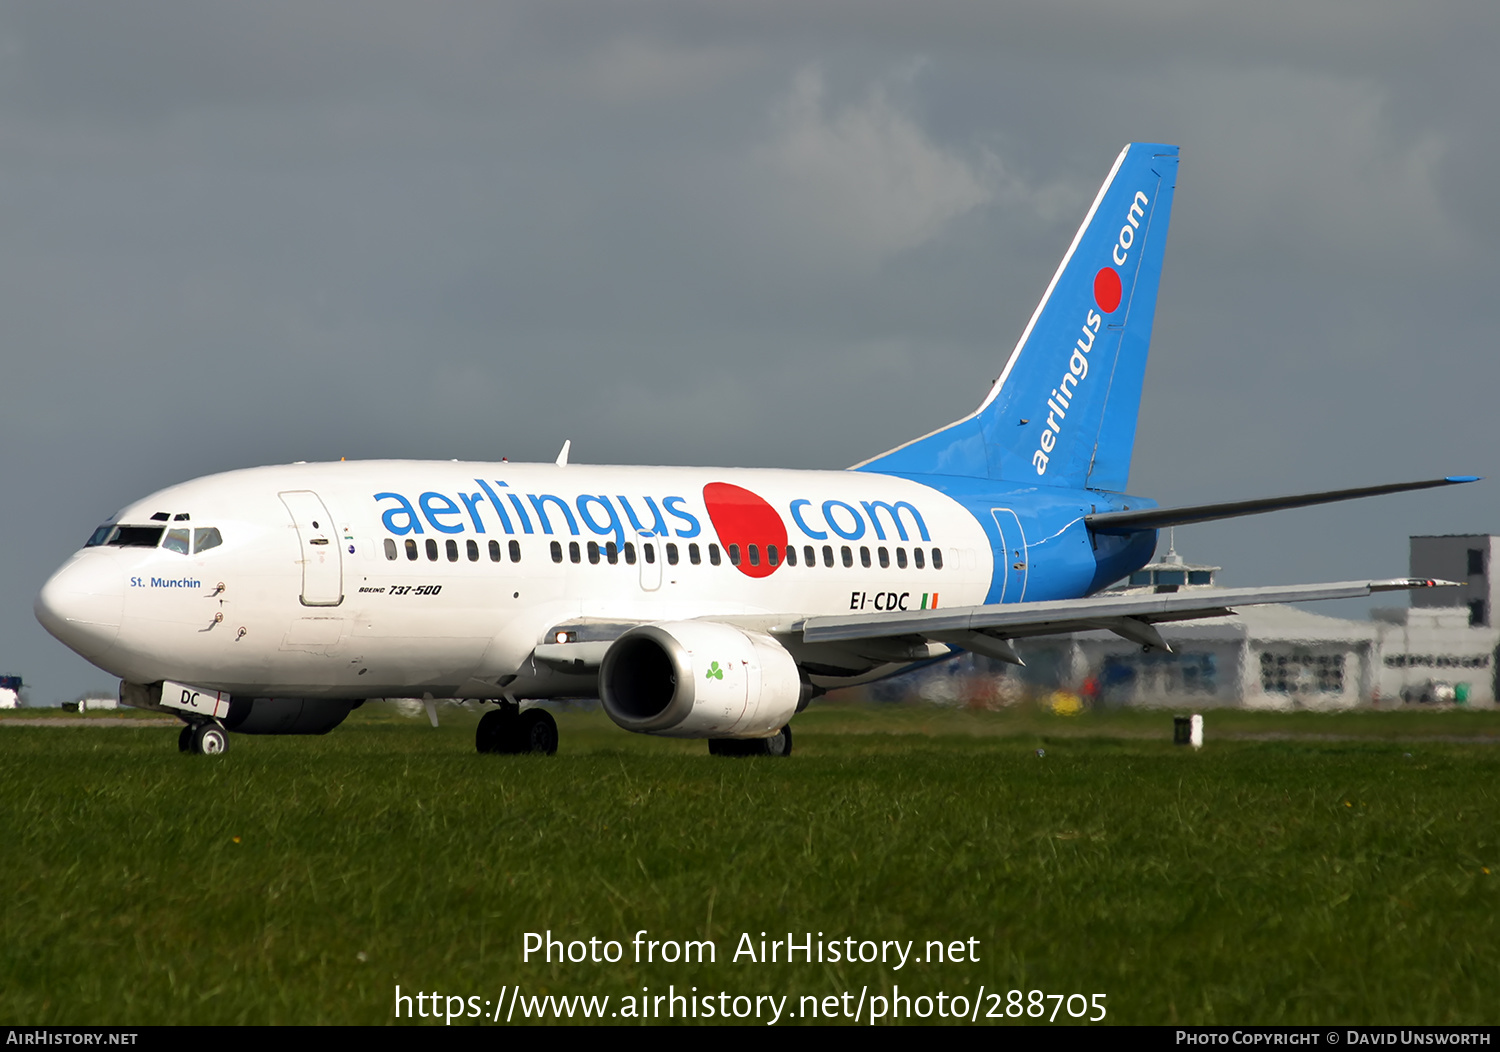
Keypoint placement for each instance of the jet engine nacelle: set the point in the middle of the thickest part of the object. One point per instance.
(699, 679)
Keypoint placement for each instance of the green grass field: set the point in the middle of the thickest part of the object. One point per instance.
(1300, 869)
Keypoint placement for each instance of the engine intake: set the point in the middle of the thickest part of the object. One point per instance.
(699, 679)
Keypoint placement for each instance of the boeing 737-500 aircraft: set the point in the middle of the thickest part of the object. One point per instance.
(694, 602)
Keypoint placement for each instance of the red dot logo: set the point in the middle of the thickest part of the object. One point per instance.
(743, 518)
(1107, 290)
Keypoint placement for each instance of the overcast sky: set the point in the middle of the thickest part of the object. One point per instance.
(781, 234)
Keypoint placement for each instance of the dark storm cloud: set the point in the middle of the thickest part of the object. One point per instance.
(771, 234)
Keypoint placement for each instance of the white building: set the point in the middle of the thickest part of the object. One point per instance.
(1444, 646)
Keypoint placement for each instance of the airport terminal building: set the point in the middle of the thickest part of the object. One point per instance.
(1443, 648)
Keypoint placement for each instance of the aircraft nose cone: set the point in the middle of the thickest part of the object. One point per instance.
(82, 605)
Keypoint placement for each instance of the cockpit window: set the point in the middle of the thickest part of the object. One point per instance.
(175, 540)
(136, 536)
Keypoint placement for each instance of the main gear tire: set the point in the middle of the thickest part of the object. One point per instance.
(538, 732)
(498, 731)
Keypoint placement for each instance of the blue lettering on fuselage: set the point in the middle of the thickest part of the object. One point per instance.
(873, 507)
(846, 520)
(486, 510)
(796, 509)
(610, 526)
(600, 514)
(853, 533)
(434, 507)
(658, 526)
(693, 528)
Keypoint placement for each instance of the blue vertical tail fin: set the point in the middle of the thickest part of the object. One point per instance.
(1063, 412)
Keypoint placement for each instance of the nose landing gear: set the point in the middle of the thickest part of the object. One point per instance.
(208, 738)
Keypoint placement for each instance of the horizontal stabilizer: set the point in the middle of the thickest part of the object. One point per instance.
(1157, 518)
(1124, 614)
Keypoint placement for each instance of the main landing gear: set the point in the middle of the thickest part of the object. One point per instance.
(507, 729)
(208, 738)
(778, 744)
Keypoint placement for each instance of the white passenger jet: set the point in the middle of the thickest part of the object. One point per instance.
(694, 602)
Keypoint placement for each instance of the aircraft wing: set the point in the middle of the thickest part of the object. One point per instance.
(986, 629)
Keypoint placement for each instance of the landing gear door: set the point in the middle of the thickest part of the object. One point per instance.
(317, 549)
(1013, 551)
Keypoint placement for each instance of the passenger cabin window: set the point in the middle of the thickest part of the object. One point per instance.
(575, 555)
(649, 551)
(734, 555)
(828, 555)
(791, 555)
(390, 548)
(918, 557)
(556, 552)
(612, 552)
(515, 551)
(671, 555)
(593, 553)
(494, 551)
(629, 554)
(432, 551)
(695, 556)
(471, 548)
(864, 556)
(713, 553)
(937, 558)
(900, 558)
(411, 549)
(848, 556)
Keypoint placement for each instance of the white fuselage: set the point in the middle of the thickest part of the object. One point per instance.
(404, 578)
